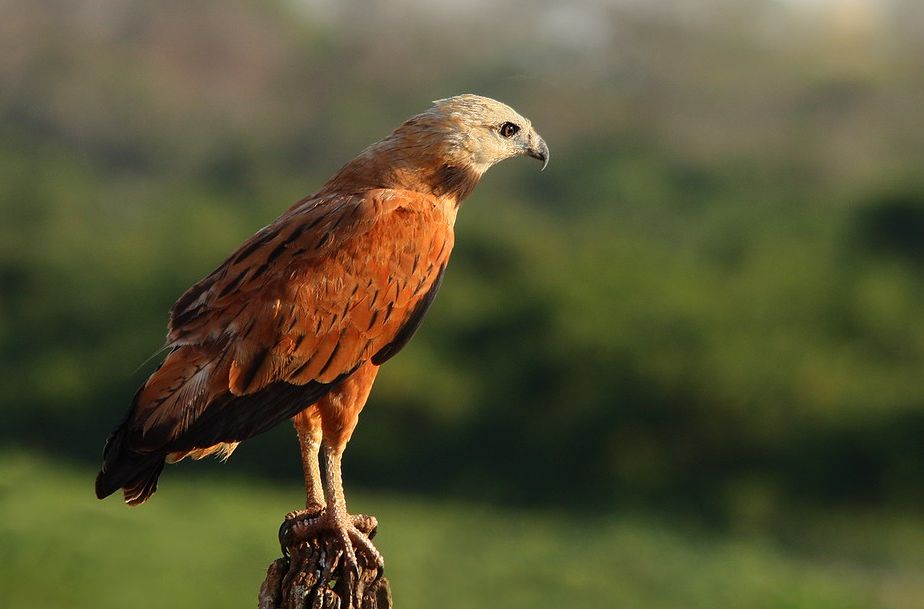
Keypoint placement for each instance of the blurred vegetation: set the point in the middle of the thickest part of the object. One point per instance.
(711, 300)
(440, 553)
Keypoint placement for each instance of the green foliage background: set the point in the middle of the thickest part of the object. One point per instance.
(708, 306)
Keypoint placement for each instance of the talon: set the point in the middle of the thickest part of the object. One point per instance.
(283, 534)
(293, 519)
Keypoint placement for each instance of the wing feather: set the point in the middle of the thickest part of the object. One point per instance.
(333, 283)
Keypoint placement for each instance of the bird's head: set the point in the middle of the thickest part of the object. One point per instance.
(480, 132)
(444, 150)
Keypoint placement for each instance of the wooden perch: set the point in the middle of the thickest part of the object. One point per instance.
(313, 575)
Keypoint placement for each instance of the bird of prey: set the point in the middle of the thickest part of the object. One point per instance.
(296, 322)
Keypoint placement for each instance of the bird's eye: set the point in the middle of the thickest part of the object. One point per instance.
(508, 130)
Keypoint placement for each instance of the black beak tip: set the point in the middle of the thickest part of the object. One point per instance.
(541, 152)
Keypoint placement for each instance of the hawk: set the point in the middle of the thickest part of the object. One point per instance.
(296, 322)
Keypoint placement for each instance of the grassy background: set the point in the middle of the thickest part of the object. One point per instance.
(206, 543)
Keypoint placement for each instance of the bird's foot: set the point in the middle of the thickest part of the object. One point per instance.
(366, 524)
(353, 533)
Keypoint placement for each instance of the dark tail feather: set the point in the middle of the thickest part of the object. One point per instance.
(123, 468)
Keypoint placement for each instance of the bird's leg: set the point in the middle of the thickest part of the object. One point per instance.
(339, 412)
(307, 425)
(308, 428)
(353, 531)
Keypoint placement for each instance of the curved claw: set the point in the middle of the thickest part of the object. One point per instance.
(312, 512)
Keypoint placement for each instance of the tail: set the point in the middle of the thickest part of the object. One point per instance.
(135, 473)
(129, 464)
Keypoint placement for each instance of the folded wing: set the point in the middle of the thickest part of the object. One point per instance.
(333, 283)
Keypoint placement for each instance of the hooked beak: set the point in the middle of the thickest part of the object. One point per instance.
(538, 150)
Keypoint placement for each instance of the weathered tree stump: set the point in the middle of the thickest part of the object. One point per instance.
(312, 574)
